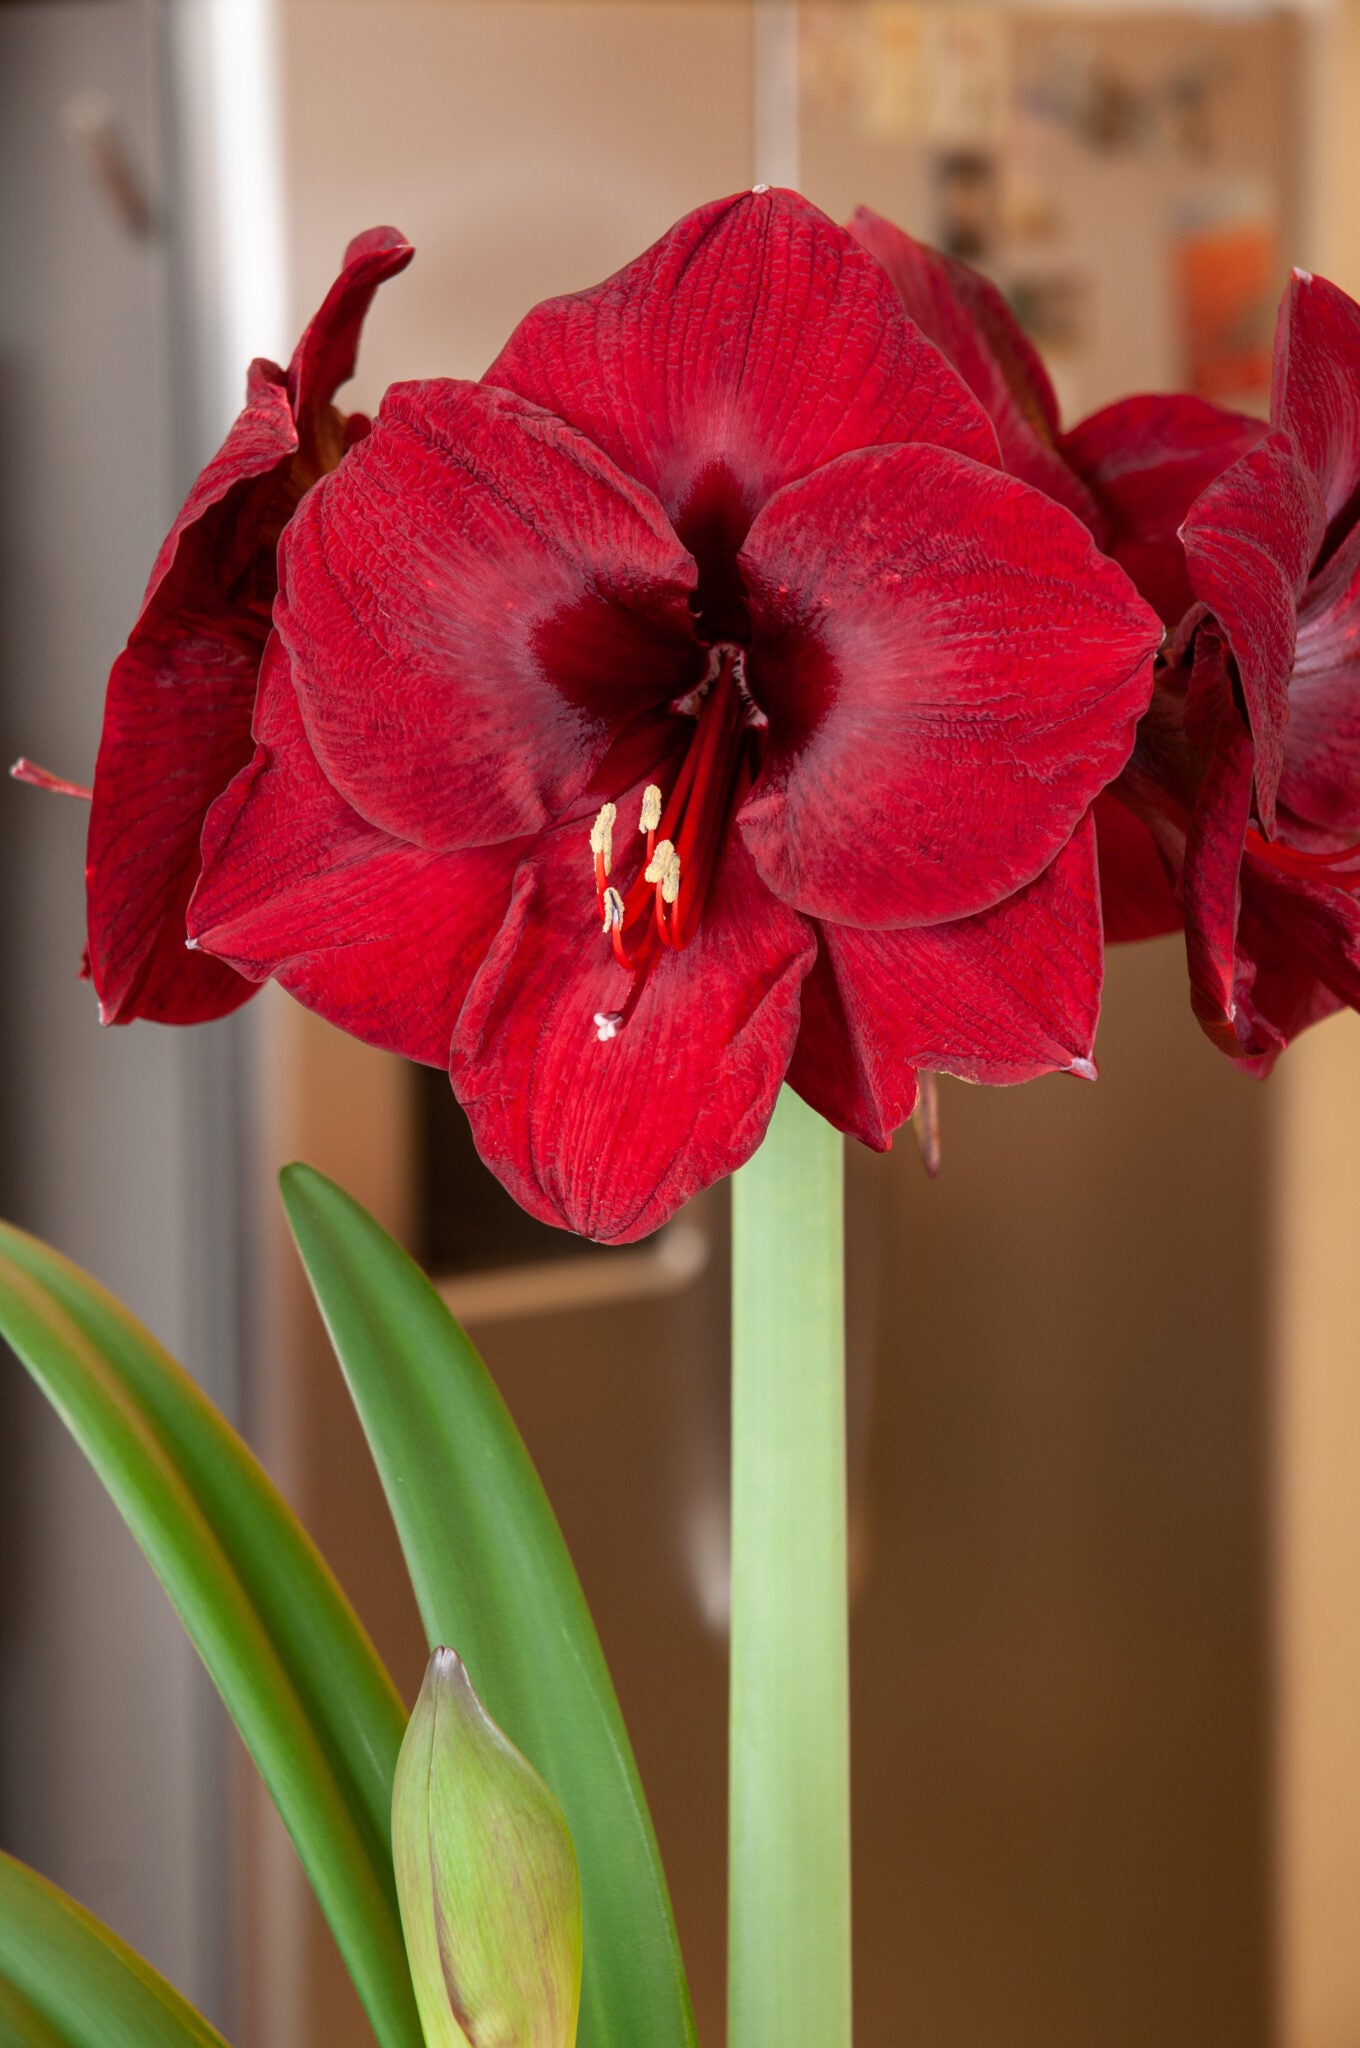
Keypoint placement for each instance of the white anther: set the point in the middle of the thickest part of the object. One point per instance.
(664, 869)
(602, 834)
(659, 866)
(651, 809)
(607, 1024)
(613, 911)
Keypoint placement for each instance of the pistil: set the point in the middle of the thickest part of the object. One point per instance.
(683, 834)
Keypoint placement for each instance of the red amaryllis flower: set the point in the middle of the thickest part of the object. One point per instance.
(1145, 460)
(177, 714)
(690, 703)
(1247, 770)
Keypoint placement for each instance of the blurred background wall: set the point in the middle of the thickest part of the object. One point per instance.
(1104, 1396)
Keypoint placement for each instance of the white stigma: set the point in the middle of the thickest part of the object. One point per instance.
(613, 911)
(651, 809)
(602, 834)
(607, 1024)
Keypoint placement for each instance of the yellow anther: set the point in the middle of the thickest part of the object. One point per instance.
(670, 881)
(602, 834)
(651, 809)
(613, 911)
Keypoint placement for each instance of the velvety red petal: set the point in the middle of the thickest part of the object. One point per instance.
(1137, 899)
(1250, 540)
(176, 729)
(380, 937)
(752, 343)
(970, 323)
(1211, 883)
(839, 1076)
(324, 358)
(609, 1137)
(1321, 779)
(262, 436)
(472, 604)
(1315, 394)
(952, 673)
(997, 998)
(1299, 960)
(177, 715)
(1147, 459)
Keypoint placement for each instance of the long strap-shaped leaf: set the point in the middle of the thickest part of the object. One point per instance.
(67, 1982)
(494, 1580)
(302, 1682)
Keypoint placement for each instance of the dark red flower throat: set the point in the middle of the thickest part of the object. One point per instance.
(683, 829)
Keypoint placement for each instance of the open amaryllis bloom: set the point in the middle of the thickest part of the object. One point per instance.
(690, 703)
(178, 710)
(1247, 770)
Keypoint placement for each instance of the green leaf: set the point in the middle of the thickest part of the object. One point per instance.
(486, 1873)
(303, 1684)
(492, 1574)
(67, 1982)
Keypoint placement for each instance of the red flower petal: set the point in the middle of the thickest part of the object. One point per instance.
(1315, 395)
(472, 604)
(1147, 459)
(1250, 541)
(997, 998)
(380, 937)
(176, 729)
(1299, 961)
(609, 1138)
(324, 358)
(1321, 779)
(952, 673)
(753, 342)
(1136, 897)
(1211, 884)
(177, 714)
(970, 323)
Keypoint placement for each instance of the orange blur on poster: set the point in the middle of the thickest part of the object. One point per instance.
(1226, 285)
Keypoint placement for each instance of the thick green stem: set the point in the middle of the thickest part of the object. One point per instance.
(789, 1867)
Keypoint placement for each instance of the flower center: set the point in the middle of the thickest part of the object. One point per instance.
(1309, 867)
(683, 832)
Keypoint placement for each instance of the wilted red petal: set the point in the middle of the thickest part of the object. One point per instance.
(1136, 897)
(1321, 779)
(970, 323)
(997, 998)
(324, 358)
(380, 937)
(609, 1137)
(1147, 459)
(1250, 540)
(952, 673)
(472, 604)
(753, 342)
(1315, 387)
